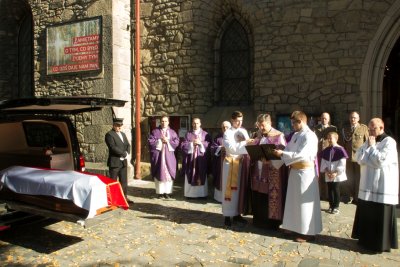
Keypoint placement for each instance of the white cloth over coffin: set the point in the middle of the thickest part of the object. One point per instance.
(84, 190)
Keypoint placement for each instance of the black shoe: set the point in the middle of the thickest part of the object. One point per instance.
(166, 196)
(239, 219)
(228, 222)
(160, 196)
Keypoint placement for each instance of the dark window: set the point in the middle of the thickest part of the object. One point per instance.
(43, 135)
(235, 66)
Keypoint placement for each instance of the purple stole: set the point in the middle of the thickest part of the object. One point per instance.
(163, 166)
(163, 163)
(195, 164)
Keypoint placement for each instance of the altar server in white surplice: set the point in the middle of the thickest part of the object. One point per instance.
(375, 222)
(302, 213)
(235, 140)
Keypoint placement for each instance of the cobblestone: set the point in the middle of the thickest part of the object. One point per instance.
(155, 232)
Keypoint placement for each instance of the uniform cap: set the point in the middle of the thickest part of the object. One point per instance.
(118, 121)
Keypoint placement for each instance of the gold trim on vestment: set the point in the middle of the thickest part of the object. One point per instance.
(232, 179)
(302, 165)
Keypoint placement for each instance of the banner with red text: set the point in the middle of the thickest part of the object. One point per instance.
(74, 47)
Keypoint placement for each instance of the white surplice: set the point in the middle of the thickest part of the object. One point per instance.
(302, 209)
(379, 181)
(234, 149)
(338, 166)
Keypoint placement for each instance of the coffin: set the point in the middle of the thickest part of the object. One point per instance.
(82, 194)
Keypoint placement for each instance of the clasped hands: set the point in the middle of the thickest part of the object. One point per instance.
(331, 174)
(371, 141)
(197, 142)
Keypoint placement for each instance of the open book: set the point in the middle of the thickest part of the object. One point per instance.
(264, 151)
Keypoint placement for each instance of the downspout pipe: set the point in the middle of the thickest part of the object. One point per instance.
(138, 174)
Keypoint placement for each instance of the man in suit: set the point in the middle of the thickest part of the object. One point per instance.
(118, 151)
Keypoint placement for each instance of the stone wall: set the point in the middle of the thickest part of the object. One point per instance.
(108, 83)
(307, 54)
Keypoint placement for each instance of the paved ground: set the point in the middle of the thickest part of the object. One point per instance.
(176, 232)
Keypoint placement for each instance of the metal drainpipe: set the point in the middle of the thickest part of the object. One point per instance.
(138, 174)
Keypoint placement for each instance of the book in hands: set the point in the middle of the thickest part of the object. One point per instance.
(264, 151)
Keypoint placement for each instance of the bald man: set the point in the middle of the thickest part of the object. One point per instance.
(375, 223)
(353, 136)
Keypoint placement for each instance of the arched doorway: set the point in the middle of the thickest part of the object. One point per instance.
(378, 90)
(16, 49)
(391, 93)
(382, 53)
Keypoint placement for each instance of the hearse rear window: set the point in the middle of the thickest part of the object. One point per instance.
(43, 135)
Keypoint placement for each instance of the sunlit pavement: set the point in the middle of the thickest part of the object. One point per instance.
(178, 232)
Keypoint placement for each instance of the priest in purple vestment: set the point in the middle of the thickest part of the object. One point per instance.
(218, 155)
(268, 179)
(194, 148)
(162, 142)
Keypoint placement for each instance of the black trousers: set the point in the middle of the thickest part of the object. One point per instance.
(333, 194)
(350, 187)
(122, 174)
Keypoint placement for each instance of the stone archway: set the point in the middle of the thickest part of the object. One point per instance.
(373, 69)
(16, 49)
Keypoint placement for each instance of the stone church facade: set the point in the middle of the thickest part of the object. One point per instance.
(207, 58)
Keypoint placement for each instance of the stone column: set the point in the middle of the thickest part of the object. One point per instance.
(121, 65)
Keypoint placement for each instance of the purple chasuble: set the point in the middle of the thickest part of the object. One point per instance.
(157, 156)
(271, 181)
(217, 160)
(195, 164)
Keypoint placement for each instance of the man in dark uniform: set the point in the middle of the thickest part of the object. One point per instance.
(353, 136)
(118, 151)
